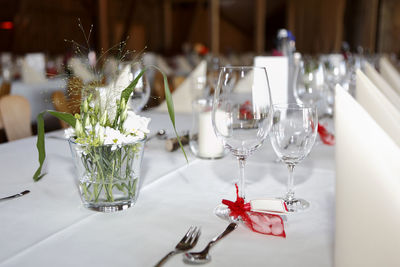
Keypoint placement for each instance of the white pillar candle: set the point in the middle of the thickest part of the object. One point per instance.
(209, 145)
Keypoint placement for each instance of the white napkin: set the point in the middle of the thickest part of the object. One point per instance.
(389, 72)
(34, 68)
(80, 70)
(245, 85)
(378, 106)
(382, 85)
(182, 96)
(367, 189)
(183, 65)
(277, 70)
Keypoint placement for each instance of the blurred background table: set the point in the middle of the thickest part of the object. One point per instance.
(38, 94)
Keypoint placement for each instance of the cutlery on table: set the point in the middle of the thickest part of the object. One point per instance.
(203, 256)
(187, 242)
(16, 195)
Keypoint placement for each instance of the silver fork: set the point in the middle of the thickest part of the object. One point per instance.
(186, 243)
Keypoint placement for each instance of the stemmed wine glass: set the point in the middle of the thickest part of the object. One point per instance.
(293, 134)
(309, 86)
(141, 93)
(242, 112)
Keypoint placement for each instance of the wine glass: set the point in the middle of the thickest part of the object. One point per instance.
(293, 134)
(337, 72)
(141, 93)
(242, 112)
(311, 88)
(310, 83)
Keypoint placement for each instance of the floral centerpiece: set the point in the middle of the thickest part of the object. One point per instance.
(106, 140)
(107, 147)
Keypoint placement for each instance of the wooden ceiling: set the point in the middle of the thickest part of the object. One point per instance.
(319, 25)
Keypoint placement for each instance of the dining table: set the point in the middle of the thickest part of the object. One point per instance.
(50, 226)
(39, 94)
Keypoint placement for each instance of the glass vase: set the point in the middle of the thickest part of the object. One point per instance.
(108, 175)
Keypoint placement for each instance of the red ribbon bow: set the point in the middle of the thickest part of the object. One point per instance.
(267, 224)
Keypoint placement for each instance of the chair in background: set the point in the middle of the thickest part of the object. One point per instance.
(60, 103)
(5, 89)
(15, 112)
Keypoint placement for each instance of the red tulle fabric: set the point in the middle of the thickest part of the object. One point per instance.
(326, 137)
(263, 223)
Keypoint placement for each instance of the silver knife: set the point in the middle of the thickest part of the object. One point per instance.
(16, 195)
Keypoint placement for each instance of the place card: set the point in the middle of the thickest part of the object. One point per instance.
(267, 205)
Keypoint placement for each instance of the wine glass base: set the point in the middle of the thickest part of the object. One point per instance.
(296, 205)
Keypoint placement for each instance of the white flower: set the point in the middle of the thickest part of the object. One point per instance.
(113, 137)
(132, 138)
(136, 125)
(69, 132)
(99, 132)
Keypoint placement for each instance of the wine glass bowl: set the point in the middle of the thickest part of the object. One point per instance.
(310, 82)
(293, 135)
(242, 112)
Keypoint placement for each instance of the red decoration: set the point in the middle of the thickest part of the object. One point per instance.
(326, 137)
(267, 224)
(201, 49)
(277, 53)
(6, 25)
(245, 111)
(51, 71)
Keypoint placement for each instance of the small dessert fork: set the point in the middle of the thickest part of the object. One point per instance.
(186, 243)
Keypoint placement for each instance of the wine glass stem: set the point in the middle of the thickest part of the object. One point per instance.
(242, 163)
(290, 185)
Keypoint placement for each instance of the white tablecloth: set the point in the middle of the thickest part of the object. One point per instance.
(38, 94)
(50, 227)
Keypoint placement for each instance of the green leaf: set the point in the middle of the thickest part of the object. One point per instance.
(67, 117)
(126, 93)
(170, 105)
(40, 146)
